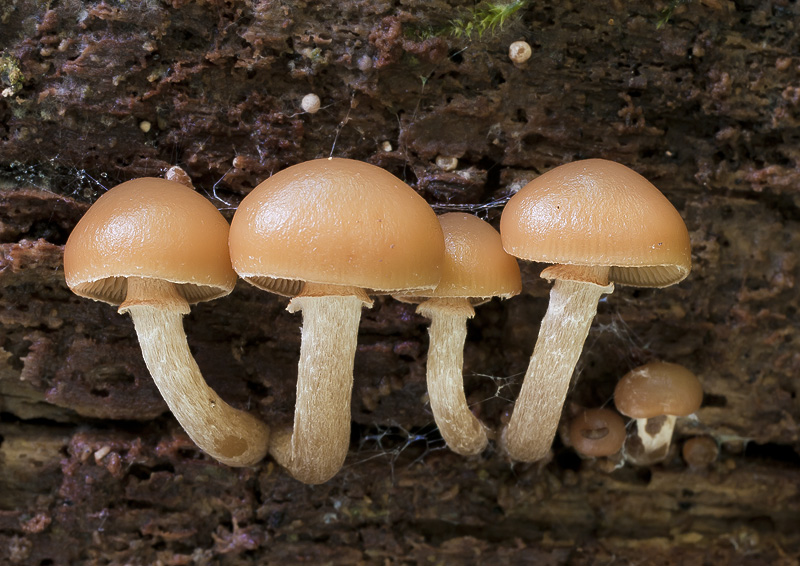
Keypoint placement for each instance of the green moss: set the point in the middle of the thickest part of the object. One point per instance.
(485, 17)
(11, 78)
(666, 14)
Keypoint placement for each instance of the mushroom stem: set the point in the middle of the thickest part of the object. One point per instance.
(315, 450)
(229, 435)
(654, 438)
(461, 430)
(533, 424)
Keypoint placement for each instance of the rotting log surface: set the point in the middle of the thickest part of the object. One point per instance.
(93, 470)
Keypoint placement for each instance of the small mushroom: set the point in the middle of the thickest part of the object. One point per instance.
(327, 232)
(699, 452)
(153, 247)
(519, 52)
(599, 223)
(597, 432)
(476, 268)
(310, 103)
(655, 394)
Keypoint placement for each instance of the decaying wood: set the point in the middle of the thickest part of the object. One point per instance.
(93, 469)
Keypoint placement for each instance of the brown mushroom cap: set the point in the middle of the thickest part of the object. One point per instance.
(658, 388)
(336, 222)
(597, 432)
(700, 451)
(599, 213)
(150, 228)
(475, 265)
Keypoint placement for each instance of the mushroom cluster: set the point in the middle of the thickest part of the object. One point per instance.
(327, 234)
(598, 223)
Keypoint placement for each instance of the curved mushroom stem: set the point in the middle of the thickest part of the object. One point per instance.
(229, 435)
(572, 307)
(652, 440)
(461, 430)
(316, 448)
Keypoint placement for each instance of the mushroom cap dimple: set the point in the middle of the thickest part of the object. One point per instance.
(150, 228)
(475, 264)
(336, 222)
(658, 388)
(596, 212)
(597, 432)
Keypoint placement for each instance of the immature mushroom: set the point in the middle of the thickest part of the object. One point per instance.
(153, 247)
(598, 222)
(475, 269)
(655, 394)
(328, 232)
(519, 52)
(597, 432)
(310, 103)
(699, 452)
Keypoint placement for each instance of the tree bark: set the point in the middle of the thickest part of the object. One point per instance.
(702, 98)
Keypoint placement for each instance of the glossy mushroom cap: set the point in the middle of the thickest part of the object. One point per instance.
(597, 432)
(599, 213)
(149, 228)
(475, 265)
(336, 222)
(658, 388)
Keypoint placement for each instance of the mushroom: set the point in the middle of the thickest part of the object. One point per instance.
(519, 52)
(310, 103)
(655, 394)
(327, 232)
(153, 247)
(599, 223)
(476, 268)
(699, 452)
(597, 432)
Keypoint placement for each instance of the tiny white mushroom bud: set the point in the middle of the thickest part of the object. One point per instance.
(364, 63)
(145, 126)
(387, 146)
(310, 103)
(447, 163)
(519, 52)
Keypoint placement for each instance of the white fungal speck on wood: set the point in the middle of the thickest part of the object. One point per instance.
(310, 103)
(519, 52)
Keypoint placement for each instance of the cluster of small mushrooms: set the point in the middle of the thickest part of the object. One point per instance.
(328, 234)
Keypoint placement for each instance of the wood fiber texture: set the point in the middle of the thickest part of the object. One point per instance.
(702, 97)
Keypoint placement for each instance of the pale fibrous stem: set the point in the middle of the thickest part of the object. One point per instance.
(229, 435)
(572, 307)
(652, 440)
(316, 447)
(656, 440)
(461, 430)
